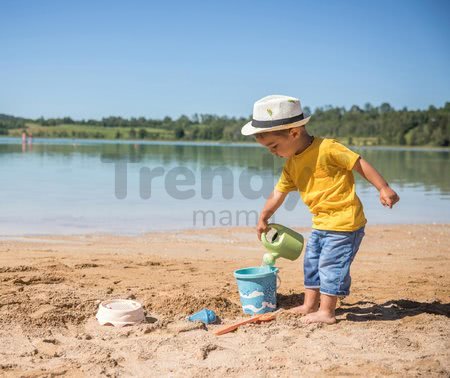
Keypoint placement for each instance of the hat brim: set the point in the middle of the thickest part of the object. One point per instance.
(248, 129)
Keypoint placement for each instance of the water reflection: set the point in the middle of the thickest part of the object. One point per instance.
(69, 186)
(408, 169)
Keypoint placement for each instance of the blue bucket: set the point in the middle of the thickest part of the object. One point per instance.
(257, 289)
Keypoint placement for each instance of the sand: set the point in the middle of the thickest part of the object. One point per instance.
(394, 323)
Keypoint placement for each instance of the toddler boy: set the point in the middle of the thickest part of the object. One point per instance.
(322, 171)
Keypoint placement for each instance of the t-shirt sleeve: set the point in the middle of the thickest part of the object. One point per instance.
(342, 156)
(285, 183)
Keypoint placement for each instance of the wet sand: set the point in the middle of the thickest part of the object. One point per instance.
(395, 322)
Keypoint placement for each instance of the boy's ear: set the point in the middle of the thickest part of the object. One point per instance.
(294, 132)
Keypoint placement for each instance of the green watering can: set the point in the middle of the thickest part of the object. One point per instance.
(285, 243)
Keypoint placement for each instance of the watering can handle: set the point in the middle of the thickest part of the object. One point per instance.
(275, 226)
(264, 238)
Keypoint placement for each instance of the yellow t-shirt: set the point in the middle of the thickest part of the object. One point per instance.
(323, 176)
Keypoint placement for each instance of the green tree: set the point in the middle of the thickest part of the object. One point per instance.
(142, 133)
(179, 132)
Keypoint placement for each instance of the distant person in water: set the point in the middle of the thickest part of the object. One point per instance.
(321, 170)
(24, 141)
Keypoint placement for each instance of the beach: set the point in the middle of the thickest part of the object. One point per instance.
(394, 323)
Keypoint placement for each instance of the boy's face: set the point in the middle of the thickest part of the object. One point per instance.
(284, 145)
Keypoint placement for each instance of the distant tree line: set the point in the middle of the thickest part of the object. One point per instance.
(9, 122)
(377, 125)
(385, 124)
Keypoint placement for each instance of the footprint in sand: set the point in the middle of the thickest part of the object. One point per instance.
(205, 350)
(86, 265)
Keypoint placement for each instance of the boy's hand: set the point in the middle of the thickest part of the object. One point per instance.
(261, 227)
(274, 201)
(388, 197)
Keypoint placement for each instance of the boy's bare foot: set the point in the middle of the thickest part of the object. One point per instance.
(302, 310)
(319, 317)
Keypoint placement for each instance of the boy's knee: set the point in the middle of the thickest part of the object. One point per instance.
(334, 278)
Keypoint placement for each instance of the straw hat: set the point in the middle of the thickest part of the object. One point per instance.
(276, 112)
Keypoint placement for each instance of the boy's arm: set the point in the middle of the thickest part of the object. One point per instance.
(274, 201)
(388, 197)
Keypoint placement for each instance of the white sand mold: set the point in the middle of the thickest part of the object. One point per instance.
(120, 312)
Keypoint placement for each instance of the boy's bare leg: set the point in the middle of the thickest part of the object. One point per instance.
(326, 312)
(310, 304)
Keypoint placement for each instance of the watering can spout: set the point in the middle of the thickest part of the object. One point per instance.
(285, 243)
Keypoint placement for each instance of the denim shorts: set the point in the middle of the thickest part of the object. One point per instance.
(327, 260)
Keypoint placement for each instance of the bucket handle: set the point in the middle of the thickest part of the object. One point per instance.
(278, 281)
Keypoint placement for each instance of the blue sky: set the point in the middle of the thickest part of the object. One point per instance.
(90, 59)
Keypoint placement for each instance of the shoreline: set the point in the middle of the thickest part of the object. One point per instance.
(62, 235)
(396, 320)
(42, 140)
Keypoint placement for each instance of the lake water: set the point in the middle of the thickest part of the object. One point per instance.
(82, 186)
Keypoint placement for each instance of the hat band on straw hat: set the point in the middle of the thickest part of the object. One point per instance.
(277, 122)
